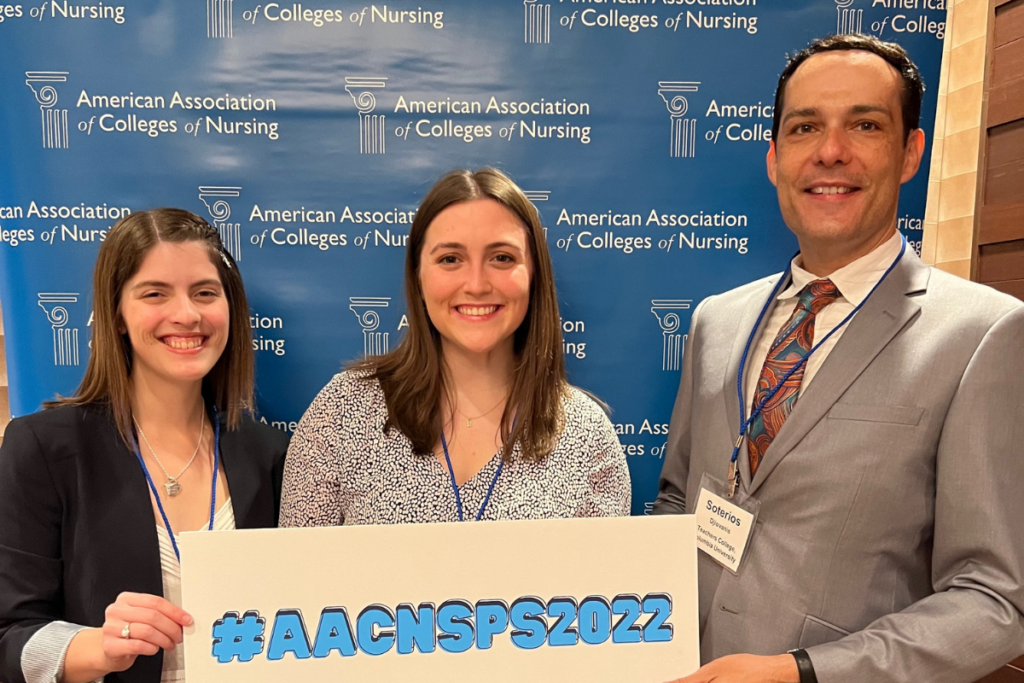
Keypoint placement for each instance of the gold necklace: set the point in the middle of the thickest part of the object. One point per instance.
(469, 420)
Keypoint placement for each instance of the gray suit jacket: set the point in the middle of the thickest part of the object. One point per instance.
(890, 541)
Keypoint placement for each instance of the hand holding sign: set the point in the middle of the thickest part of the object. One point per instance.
(135, 624)
(140, 624)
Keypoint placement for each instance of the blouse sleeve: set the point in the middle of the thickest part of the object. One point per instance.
(311, 489)
(31, 569)
(42, 660)
(610, 492)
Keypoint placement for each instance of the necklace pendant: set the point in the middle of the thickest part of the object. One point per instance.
(173, 487)
(469, 423)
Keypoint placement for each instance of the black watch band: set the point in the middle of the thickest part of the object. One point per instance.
(804, 666)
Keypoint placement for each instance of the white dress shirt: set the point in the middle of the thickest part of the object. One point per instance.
(854, 282)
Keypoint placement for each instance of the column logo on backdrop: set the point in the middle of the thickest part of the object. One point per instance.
(375, 343)
(539, 196)
(538, 22)
(848, 20)
(128, 113)
(480, 117)
(671, 337)
(219, 19)
(683, 131)
(65, 339)
(537, 18)
(216, 200)
(54, 121)
(371, 126)
(893, 26)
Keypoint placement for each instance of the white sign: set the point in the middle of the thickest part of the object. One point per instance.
(551, 600)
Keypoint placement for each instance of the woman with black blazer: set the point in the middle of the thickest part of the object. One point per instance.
(94, 489)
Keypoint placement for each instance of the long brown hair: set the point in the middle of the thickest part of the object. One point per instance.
(413, 375)
(107, 380)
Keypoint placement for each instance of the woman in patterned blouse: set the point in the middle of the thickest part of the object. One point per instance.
(471, 416)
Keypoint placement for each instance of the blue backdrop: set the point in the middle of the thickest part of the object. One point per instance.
(308, 132)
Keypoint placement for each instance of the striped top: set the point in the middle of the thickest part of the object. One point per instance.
(170, 570)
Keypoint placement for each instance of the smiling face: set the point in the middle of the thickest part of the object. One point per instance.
(475, 272)
(175, 313)
(840, 159)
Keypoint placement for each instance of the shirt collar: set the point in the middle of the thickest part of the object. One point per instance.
(854, 280)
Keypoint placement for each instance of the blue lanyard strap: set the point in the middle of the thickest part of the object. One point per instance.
(746, 422)
(455, 488)
(213, 493)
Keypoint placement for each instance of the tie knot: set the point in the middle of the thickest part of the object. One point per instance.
(818, 294)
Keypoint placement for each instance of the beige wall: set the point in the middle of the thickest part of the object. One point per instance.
(953, 178)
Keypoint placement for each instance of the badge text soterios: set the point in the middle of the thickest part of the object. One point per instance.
(456, 626)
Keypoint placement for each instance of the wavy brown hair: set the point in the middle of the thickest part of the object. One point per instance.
(107, 380)
(413, 375)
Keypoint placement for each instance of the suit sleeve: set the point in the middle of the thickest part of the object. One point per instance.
(674, 473)
(972, 624)
(31, 569)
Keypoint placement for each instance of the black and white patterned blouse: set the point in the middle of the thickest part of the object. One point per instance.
(342, 468)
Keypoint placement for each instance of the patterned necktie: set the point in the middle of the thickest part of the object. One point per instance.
(792, 345)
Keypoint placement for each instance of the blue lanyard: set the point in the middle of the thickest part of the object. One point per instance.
(734, 471)
(213, 494)
(458, 496)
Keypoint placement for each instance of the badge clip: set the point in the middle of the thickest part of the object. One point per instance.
(734, 470)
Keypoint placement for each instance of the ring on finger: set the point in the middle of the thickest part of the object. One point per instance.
(126, 632)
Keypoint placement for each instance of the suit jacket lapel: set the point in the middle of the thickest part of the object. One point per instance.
(747, 320)
(242, 481)
(874, 326)
(135, 545)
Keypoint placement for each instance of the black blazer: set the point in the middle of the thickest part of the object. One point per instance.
(77, 525)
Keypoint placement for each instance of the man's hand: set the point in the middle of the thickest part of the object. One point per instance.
(746, 669)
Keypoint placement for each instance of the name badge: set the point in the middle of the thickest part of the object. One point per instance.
(724, 526)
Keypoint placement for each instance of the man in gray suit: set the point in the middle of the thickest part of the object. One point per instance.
(887, 459)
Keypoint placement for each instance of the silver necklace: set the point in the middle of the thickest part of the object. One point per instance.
(173, 486)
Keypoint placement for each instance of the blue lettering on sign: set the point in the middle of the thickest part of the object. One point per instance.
(455, 621)
(334, 633)
(289, 635)
(491, 619)
(595, 620)
(562, 631)
(530, 628)
(371, 627)
(626, 629)
(415, 629)
(659, 605)
(456, 626)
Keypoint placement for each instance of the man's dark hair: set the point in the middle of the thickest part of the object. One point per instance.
(910, 95)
